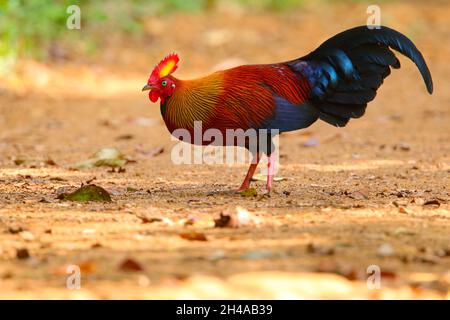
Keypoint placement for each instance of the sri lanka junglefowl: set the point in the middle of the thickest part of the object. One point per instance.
(333, 83)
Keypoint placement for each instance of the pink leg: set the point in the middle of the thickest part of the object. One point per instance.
(270, 167)
(251, 171)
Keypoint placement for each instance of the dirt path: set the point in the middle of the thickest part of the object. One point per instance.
(374, 193)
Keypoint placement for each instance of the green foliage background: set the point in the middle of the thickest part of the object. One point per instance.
(29, 27)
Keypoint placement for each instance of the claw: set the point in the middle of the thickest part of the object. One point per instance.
(251, 170)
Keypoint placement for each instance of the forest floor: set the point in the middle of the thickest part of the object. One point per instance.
(372, 195)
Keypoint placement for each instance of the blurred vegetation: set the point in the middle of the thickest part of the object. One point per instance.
(34, 28)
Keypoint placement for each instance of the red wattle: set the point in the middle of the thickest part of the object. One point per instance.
(153, 95)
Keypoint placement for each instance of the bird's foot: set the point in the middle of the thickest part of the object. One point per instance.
(242, 188)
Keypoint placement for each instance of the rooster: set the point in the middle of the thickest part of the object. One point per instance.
(333, 83)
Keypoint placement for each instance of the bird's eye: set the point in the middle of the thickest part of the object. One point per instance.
(164, 83)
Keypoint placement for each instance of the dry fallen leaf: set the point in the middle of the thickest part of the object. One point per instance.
(22, 254)
(362, 194)
(19, 162)
(193, 236)
(106, 157)
(163, 220)
(320, 250)
(50, 162)
(432, 202)
(403, 210)
(87, 267)
(401, 146)
(15, 229)
(126, 136)
(403, 231)
(250, 192)
(223, 221)
(89, 192)
(130, 265)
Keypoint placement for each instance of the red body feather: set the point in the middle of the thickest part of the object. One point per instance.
(238, 98)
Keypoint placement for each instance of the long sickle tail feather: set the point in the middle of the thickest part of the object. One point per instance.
(346, 70)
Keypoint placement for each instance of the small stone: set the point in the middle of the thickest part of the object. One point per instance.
(385, 250)
(88, 232)
(311, 143)
(143, 281)
(217, 255)
(443, 253)
(27, 235)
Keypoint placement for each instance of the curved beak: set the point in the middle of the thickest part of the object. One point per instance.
(147, 87)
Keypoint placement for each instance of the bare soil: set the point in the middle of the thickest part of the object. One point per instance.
(373, 193)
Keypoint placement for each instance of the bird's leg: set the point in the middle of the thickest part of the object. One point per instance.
(270, 167)
(251, 171)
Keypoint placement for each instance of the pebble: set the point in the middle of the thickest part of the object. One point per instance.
(217, 255)
(88, 232)
(143, 281)
(385, 250)
(27, 235)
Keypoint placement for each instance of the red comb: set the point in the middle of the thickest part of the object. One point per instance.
(165, 67)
